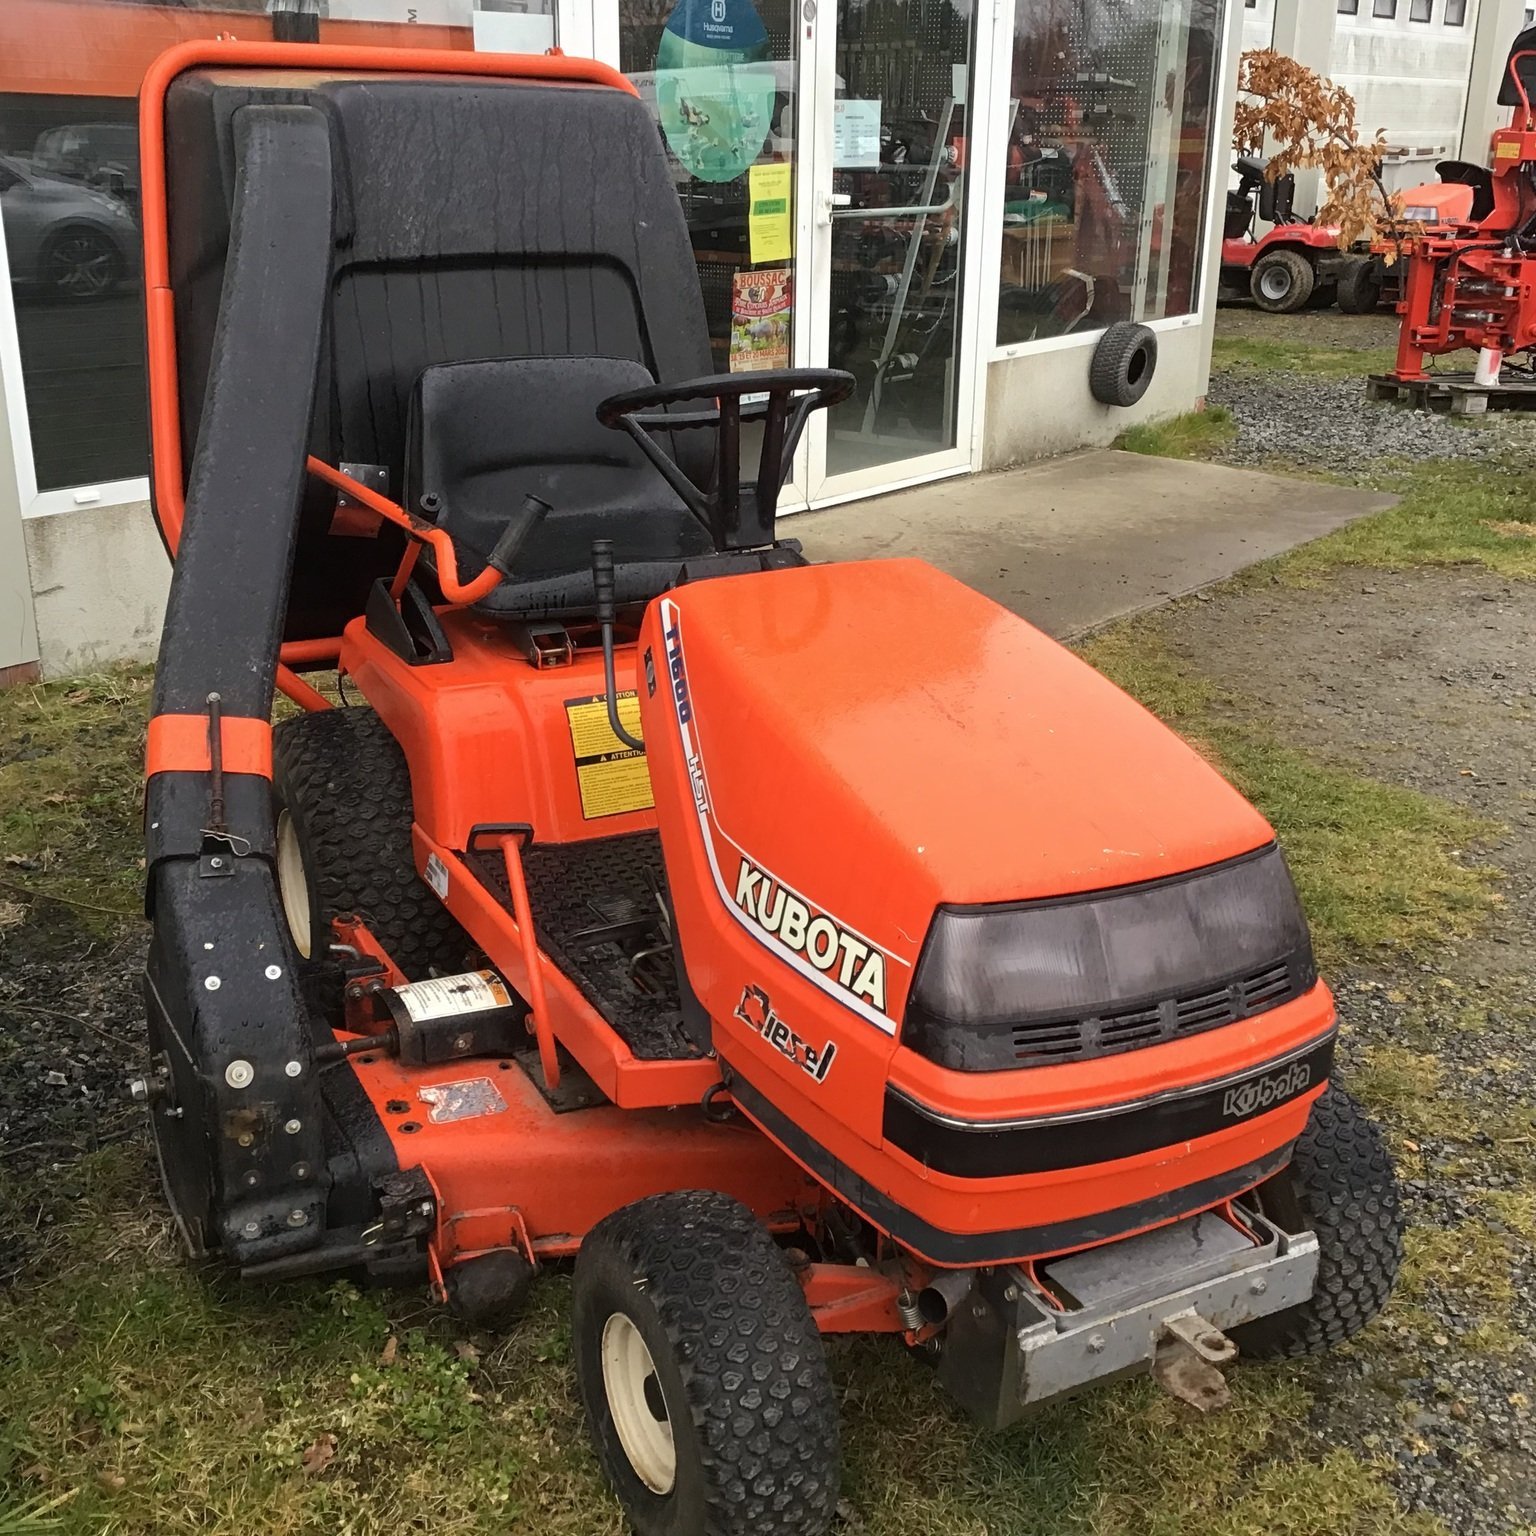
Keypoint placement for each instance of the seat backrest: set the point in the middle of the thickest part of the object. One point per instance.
(1465, 174)
(472, 218)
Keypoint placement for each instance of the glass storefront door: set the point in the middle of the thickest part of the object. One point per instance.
(892, 176)
(820, 151)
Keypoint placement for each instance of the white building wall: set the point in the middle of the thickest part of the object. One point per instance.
(1258, 24)
(1408, 78)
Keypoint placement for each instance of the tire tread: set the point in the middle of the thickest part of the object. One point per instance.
(345, 778)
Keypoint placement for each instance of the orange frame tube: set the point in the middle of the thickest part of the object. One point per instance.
(166, 468)
(460, 593)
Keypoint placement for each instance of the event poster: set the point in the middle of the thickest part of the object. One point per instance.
(761, 311)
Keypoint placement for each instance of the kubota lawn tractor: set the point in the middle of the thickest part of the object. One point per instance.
(800, 949)
(1468, 273)
(1296, 261)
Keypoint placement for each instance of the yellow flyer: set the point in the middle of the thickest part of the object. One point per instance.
(768, 226)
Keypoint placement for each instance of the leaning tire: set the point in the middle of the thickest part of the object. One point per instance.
(1123, 364)
(702, 1373)
(1282, 282)
(343, 807)
(1341, 1185)
(1359, 288)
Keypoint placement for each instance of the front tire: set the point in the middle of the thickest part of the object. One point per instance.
(1340, 1184)
(1282, 282)
(702, 1373)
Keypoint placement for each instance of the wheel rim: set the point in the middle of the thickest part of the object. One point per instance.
(81, 266)
(1274, 283)
(638, 1408)
(293, 882)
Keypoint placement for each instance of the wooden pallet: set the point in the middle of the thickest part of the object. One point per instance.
(1454, 393)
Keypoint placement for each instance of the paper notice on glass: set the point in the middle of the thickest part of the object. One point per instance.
(761, 309)
(856, 134)
(769, 231)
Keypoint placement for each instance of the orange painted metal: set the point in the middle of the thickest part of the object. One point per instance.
(869, 741)
(487, 736)
(180, 744)
(625, 1079)
(845, 1298)
(521, 1168)
(537, 996)
(309, 59)
(444, 554)
(290, 684)
(304, 653)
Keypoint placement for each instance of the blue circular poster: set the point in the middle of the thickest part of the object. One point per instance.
(714, 86)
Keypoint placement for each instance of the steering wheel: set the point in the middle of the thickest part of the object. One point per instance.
(737, 516)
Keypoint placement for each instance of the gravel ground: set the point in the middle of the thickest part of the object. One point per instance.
(1329, 424)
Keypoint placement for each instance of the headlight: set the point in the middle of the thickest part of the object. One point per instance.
(1422, 215)
(1066, 979)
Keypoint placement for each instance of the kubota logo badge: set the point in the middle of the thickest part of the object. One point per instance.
(804, 931)
(756, 1012)
(1265, 1092)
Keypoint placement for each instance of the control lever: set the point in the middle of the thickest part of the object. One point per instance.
(517, 533)
(602, 587)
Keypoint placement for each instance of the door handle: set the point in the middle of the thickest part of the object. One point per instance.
(826, 203)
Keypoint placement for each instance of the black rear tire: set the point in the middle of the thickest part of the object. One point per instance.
(1281, 282)
(1359, 287)
(1341, 1185)
(738, 1420)
(343, 805)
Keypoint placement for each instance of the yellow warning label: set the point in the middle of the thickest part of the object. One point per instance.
(613, 778)
(1507, 149)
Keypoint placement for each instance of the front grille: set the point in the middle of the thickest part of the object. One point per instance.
(1043, 1041)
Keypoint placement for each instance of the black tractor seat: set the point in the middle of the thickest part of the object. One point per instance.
(485, 434)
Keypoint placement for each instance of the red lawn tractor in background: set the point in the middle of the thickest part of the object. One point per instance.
(1467, 274)
(1296, 262)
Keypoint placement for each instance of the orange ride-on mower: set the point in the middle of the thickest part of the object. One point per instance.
(798, 949)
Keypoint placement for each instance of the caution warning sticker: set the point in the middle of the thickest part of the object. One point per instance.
(613, 778)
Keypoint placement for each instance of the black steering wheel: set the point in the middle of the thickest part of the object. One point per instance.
(737, 516)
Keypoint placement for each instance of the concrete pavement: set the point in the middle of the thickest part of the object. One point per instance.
(1074, 542)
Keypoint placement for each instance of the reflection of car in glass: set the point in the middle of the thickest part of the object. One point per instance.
(103, 155)
(71, 240)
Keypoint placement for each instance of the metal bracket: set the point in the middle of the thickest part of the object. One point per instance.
(1185, 1366)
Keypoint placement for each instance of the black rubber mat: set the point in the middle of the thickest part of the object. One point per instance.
(595, 907)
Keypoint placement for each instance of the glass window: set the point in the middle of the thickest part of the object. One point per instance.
(1109, 141)
(1386, 9)
(1420, 10)
(1349, 7)
(1456, 13)
(69, 197)
(719, 78)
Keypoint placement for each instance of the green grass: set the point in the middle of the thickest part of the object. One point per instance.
(71, 774)
(1299, 357)
(1194, 435)
(149, 1398)
(1380, 867)
(1452, 512)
